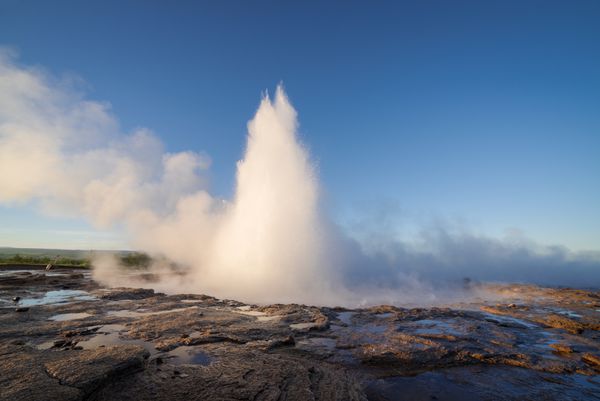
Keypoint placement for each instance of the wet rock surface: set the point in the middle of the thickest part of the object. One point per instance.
(78, 341)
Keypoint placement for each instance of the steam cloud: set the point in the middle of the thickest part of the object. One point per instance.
(270, 243)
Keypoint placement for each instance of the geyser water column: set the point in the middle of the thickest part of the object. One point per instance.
(270, 245)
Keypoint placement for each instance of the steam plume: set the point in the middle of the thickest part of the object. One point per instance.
(268, 243)
(271, 243)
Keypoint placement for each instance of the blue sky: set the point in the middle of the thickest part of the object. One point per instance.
(487, 113)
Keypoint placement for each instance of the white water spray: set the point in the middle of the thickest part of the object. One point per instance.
(269, 243)
(271, 240)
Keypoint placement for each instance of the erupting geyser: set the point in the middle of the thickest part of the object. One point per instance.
(270, 239)
(269, 243)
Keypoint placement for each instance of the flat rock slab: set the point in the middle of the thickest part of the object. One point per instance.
(252, 375)
(89, 369)
(27, 374)
(23, 378)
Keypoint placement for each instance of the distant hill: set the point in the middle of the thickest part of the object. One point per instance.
(43, 252)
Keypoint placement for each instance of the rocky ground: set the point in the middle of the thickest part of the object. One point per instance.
(67, 338)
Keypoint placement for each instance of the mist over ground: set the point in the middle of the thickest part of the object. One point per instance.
(273, 242)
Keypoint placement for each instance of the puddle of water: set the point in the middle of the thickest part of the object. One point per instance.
(544, 344)
(346, 317)
(188, 356)
(426, 386)
(58, 297)
(251, 313)
(302, 326)
(27, 273)
(549, 338)
(125, 313)
(568, 313)
(372, 329)
(268, 318)
(317, 342)
(384, 315)
(509, 320)
(260, 316)
(45, 345)
(69, 316)
(483, 383)
(108, 335)
(436, 327)
(18, 272)
(131, 313)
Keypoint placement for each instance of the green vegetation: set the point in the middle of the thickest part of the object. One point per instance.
(135, 260)
(74, 258)
(43, 260)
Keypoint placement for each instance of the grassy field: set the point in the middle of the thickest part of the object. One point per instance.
(68, 257)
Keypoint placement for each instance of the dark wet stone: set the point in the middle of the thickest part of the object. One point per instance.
(281, 342)
(118, 294)
(591, 359)
(254, 376)
(475, 383)
(562, 322)
(88, 370)
(80, 332)
(23, 378)
(562, 348)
